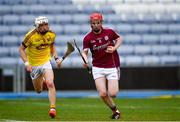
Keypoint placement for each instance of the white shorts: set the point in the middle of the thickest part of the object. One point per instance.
(38, 70)
(108, 73)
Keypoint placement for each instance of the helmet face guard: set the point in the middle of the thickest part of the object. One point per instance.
(40, 20)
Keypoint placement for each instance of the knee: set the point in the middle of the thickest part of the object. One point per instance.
(113, 94)
(38, 91)
(50, 84)
(103, 94)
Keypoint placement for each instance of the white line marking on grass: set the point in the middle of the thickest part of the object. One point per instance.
(11, 120)
(96, 106)
(149, 107)
(40, 104)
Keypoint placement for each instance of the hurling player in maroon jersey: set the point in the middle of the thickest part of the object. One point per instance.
(103, 44)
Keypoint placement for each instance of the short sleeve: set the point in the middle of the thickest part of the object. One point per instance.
(26, 41)
(53, 36)
(86, 43)
(115, 35)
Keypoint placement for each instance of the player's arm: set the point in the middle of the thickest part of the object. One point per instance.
(85, 49)
(111, 49)
(55, 55)
(118, 42)
(85, 54)
(53, 51)
(24, 57)
(22, 53)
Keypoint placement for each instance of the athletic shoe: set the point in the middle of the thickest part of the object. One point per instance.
(52, 112)
(116, 115)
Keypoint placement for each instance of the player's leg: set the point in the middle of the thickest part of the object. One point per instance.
(99, 75)
(37, 78)
(100, 82)
(113, 89)
(49, 80)
(113, 75)
(102, 89)
(38, 84)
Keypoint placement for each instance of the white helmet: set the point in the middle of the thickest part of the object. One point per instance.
(39, 20)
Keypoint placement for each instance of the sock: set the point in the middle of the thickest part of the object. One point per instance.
(114, 108)
(52, 106)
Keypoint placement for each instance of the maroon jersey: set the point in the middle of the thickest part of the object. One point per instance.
(98, 43)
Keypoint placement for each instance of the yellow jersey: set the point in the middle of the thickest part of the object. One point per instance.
(38, 47)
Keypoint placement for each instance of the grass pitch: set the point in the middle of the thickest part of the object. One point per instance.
(90, 109)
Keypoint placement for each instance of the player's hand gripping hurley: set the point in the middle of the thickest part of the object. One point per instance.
(87, 67)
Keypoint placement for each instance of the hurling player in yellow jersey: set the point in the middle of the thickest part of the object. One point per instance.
(36, 51)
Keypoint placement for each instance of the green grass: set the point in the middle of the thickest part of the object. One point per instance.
(90, 109)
